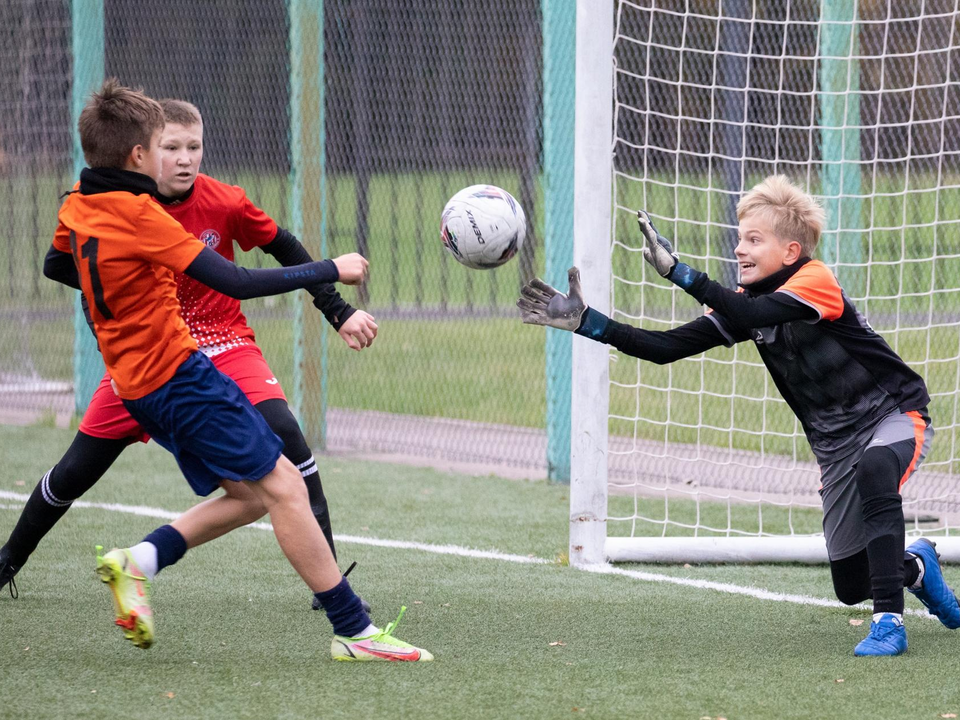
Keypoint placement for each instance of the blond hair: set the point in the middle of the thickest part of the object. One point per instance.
(794, 214)
(180, 112)
(115, 120)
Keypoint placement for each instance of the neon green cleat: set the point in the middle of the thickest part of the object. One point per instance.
(131, 595)
(379, 646)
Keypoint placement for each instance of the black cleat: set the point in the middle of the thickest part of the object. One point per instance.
(7, 572)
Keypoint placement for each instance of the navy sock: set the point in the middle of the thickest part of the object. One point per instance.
(343, 609)
(169, 543)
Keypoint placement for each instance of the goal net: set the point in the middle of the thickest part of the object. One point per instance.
(859, 104)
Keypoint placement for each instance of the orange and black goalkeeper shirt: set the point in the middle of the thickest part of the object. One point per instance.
(839, 376)
(127, 249)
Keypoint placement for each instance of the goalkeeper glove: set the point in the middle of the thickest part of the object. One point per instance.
(541, 304)
(658, 251)
(660, 254)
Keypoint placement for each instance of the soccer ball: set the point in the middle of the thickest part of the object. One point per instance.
(483, 226)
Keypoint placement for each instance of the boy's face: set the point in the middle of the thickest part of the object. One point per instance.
(760, 253)
(182, 150)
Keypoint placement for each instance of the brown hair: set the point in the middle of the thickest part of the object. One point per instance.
(115, 120)
(180, 112)
(794, 214)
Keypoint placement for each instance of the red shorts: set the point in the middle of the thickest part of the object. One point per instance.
(106, 417)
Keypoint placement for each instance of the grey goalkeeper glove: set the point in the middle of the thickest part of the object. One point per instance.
(541, 304)
(658, 251)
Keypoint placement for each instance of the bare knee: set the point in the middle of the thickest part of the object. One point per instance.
(252, 505)
(284, 485)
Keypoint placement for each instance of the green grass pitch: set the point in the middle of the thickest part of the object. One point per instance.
(236, 637)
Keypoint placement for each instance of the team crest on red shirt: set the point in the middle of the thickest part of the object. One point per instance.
(210, 238)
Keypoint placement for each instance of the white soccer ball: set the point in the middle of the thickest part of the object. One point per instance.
(483, 226)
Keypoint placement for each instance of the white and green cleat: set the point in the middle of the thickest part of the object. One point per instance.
(379, 646)
(131, 595)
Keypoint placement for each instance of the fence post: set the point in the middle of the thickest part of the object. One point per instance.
(559, 66)
(88, 50)
(840, 140)
(308, 210)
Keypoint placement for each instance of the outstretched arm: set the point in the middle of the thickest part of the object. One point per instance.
(217, 272)
(739, 308)
(541, 304)
(357, 328)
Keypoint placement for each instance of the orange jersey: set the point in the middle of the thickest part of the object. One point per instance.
(127, 250)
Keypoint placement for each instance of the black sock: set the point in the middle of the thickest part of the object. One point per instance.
(318, 501)
(911, 569)
(278, 416)
(85, 462)
(40, 514)
(877, 478)
(886, 573)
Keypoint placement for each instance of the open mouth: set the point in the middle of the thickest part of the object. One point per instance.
(746, 266)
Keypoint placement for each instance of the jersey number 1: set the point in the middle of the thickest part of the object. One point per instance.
(89, 252)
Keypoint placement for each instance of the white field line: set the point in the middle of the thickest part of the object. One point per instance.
(605, 569)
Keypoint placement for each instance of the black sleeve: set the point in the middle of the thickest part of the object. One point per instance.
(59, 266)
(216, 272)
(287, 251)
(750, 312)
(666, 346)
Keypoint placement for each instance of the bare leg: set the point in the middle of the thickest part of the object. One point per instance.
(212, 518)
(284, 495)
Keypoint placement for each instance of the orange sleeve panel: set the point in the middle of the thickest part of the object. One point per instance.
(816, 286)
(163, 241)
(61, 238)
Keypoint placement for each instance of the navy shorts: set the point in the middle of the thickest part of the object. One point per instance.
(205, 420)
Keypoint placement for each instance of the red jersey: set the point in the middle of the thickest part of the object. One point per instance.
(218, 214)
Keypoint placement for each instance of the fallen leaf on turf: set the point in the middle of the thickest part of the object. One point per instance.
(418, 602)
(27, 647)
(856, 622)
(445, 605)
(838, 680)
(687, 566)
(170, 695)
(19, 483)
(948, 715)
(554, 644)
(364, 527)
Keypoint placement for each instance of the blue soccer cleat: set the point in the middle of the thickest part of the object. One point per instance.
(934, 592)
(887, 637)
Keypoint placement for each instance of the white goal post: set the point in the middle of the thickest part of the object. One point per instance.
(680, 108)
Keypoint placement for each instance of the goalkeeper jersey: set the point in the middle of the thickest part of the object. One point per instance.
(837, 374)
